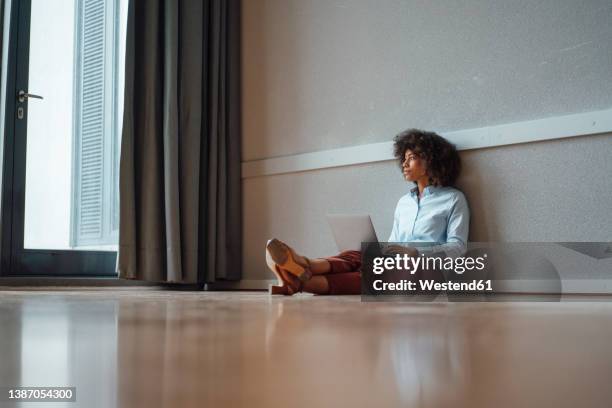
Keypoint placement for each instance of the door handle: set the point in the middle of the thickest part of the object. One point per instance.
(23, 95)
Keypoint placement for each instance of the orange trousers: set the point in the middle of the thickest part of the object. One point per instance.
(344, 278)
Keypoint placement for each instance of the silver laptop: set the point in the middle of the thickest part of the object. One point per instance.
(350, 230)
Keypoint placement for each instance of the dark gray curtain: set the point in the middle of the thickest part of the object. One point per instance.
(180, 187)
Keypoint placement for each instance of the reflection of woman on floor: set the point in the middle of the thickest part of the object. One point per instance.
(432, 212)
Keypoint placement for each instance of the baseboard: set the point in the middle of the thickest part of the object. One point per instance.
(569, 286)
(245, 284)
(50, 281)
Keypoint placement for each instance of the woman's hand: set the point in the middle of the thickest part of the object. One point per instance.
(398, 249)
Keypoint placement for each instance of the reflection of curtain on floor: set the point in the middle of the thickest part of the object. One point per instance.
(180, 193)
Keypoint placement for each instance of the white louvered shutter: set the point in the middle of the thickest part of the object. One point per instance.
(94, 221)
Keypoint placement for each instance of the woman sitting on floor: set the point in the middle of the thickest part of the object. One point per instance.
(432, 212)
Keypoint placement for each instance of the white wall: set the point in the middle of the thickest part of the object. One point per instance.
(320, 74)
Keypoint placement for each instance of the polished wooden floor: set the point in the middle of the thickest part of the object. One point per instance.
(148, 348)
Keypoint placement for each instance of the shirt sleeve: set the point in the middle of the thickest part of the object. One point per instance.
(457, 231)
(394, 237)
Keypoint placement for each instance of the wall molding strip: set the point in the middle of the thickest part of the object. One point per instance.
(559, 127)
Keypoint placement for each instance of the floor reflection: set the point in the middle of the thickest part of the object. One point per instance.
(430, 361)
(45, 346)
(132, 348)
(50, 340)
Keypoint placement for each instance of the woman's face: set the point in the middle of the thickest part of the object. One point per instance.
(414, 167)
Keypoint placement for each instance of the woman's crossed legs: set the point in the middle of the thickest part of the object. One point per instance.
(335, 275)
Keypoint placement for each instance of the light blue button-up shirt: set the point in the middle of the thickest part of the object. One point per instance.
(439, 220)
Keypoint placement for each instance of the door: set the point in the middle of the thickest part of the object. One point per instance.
(61, 151)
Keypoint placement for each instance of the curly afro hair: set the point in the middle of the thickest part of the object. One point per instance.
(442, 160)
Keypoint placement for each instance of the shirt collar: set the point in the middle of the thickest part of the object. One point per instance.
(428, 190)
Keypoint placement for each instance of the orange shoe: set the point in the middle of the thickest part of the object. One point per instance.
(286, 258)
(287, 283)
(285, 289)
